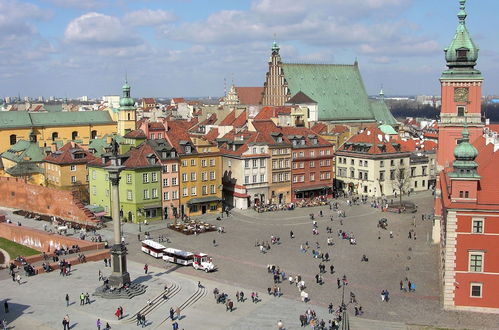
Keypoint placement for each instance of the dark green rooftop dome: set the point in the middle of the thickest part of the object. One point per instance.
(462, 51)
(126, 101)
(465, 151)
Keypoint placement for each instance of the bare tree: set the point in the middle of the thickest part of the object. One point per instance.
(401, 181)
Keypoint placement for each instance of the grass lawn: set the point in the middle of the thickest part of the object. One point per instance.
(14, 249)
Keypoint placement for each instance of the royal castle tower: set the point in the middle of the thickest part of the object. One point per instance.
(127, 112)
(461, 86)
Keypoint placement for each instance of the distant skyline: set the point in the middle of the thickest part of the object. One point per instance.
(187, 47)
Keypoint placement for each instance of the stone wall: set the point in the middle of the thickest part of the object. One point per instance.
(41, 240)
(16, 193)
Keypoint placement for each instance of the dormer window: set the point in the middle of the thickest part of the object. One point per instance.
(279, 139)
(294, 142)
(173, 154)
(462, 54)
(314, 140)
(188, 149)
(302, 142)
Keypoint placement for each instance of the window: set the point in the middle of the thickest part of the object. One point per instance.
(93, 174)
(415, 184)
(255, 163)
(295, 178)
(262, 150)
(460, 111)
(94, 190)
(74, 135)
(154, 193)
(184, 163)
(294, 154)
(246, 179)
(312, 176)
(476, 262)
(246, 163)
(254, 150)
(145, 177)
(174, 168)
(193, 176)
(401, 162)
(279, 177)
(392, 174)
(72, 168)
(129, 195)
(184, 177)
(165, 182)
(55, 135)
(312, 153)
(193, 162)
(286, 176)
(274, 177)
(212, 162)
(281, 163)
(212, 175)
(476, 290)
(193, 191)
(185, 192)
(204, 176)
(174, 181)
(413, 171)
(286, 163)
(381, 163)
(73, 179)
(12, 139)
(154, 177)
(392, 163)
(255, 179)
(466, 194)
(352, 174)
(262, 177)
(262, 162)
(477, 226)
(461, 194)
(93, 135)
(160, 135)
(174, 194)
(146, 193)
(302, 164)
(212, 189)
(166, 196)
(312, 164)
(128, 178)
(204, 190)
(382, 176)
(203, 163)
(424, 170)
(352, 162)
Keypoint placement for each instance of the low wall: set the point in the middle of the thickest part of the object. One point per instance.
(94, 256)
(16, 193)
(41, 240)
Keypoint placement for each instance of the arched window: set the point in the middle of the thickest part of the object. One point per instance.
(74, 135)
(93, 134)
(55, 135)
(13, 139)
(128, 116)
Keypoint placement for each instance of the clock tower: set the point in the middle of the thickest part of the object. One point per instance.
(461, 86)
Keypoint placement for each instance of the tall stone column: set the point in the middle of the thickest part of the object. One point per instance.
(120, 275)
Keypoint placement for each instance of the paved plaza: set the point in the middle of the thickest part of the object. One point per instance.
(241, 266)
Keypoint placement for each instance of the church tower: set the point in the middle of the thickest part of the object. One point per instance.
(275, 89)
(461, 87)
(127, 112)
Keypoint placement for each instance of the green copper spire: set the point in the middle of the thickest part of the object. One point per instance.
(465, 154)
(275, 47)
(126, 101)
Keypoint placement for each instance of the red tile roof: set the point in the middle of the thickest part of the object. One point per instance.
(178, 100)
(212, 119)
(338, 129)
(66, 155)
(156, 126)
(374, 141)
(136, 134)
(229, 119)
(249, 95)
(241, 120)
(138, 157)
(212, 134)
(272, 112)
(319, 128)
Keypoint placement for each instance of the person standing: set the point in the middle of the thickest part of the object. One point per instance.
(143, 320)
(67, 300)
(18, 279)
(175, 325)
(138, 318)
(172, 313)
(65, 322)
(146, 268)
(98, 324)
(177, 311)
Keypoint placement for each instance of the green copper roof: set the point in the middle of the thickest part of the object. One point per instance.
(126, 102)
(24, 169)
(338, 89)
(24, 151)
(381, 112)
(18, 119)
(387, 129)
(99, 145)
(275, 47)
(465, 154)
(462, 54)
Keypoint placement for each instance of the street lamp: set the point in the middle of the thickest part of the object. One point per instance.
(345, 324)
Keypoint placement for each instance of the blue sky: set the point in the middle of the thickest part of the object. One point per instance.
(187, 47)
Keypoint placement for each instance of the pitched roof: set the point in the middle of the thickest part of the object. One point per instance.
(372, 141)
(229, 119)
(301, 98)
(70, 153)
(148, 100)
(178, 100)
(241, 120)
(9, 119)
(269, 112)
(24, 151)
(338, 90)
(212, 134)
(381, 112)
(319, 128)
(156, 126)
(249, 95)
(136, 134)
(139, 157)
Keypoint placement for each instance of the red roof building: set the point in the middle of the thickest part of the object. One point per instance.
(249, 95)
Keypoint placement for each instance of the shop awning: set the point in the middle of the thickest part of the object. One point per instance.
(154, 206)
(240, 195)
(204, 200)
(311, 188)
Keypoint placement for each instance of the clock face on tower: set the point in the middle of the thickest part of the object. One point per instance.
(461, 94)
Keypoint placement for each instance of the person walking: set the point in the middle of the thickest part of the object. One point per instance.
(146, 268)
(98, 324)
(66, 322)
(214, 243)
(18, 279)
(67, 300)
(175, 325)
(138, 319)
(143, 320)
(177, 311)
(172, 313)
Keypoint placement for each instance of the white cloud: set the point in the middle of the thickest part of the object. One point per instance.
(148, 17)
(100, 30)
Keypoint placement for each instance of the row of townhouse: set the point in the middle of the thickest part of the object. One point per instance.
(274, 165)
(373, 164)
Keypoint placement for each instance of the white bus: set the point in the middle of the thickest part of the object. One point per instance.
(153, 248)
(178, 256)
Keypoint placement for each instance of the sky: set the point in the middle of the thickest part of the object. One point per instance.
(71, 48)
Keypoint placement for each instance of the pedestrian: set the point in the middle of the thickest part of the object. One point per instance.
(280, 325)
(338, 282)
(66, 322)
(6, 306)
(237, 296)
(214, 243)
(401, 285)
(331, 268)
(105, 262)
(242, 296)
(87, 298)
(138, 318)
(67, 300)
(291, 234)
(414, 235)
(177, 311)
(382, 295)
(118, 313)
(330, 308)
(146, 268)
(410, 234)
(98, 324)
(409, 286)
(121, 311)
(18, 279)
(107, 326)
(143, 320)
(175, 325)
(172, 313)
